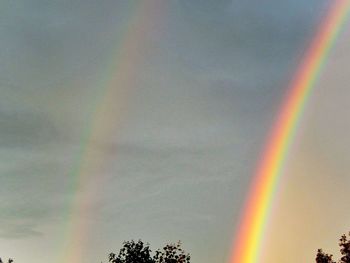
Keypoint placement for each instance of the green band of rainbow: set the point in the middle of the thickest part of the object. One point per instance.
(250, 231)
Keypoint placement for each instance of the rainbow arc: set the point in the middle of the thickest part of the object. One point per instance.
(257, 209)
(104, 122)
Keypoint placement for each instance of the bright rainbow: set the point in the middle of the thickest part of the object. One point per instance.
(250, 232)
(87, 177)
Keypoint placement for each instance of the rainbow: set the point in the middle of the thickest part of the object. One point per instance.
(250, 232)
(105, 118)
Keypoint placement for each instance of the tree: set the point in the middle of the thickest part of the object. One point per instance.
(10, 260)
(138, 252)
(344, 244)
(172, 253)
(132, 252)
(322, 257)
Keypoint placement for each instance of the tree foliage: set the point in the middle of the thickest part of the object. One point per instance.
(132, 252)
(172, 253)
(344, 244)
(322, 257)
(138, 252)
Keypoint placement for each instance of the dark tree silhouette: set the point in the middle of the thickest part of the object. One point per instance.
(344, 244)
(10, 260)
(322, 257)
(138, 252)
(132, 252)
(172, 253)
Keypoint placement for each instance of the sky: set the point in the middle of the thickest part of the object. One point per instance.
(123, 120)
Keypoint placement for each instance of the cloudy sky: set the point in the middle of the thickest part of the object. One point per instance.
(122, 120)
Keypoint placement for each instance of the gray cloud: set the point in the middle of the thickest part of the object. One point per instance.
(18, 231)
(25, 129)
(200, 109)
(35, 191)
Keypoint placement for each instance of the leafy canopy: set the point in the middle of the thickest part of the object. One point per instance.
(138, 252)
(344, 244)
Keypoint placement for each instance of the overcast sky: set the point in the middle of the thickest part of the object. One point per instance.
(200, 84)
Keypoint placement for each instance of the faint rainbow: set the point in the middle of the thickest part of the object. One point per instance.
(250, 232)
(104, 121)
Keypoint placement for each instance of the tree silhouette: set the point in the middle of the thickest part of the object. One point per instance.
(132, 252)
(344, 244)
(10, 260)
(172, 253)
(138, 252)
(322, 257)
